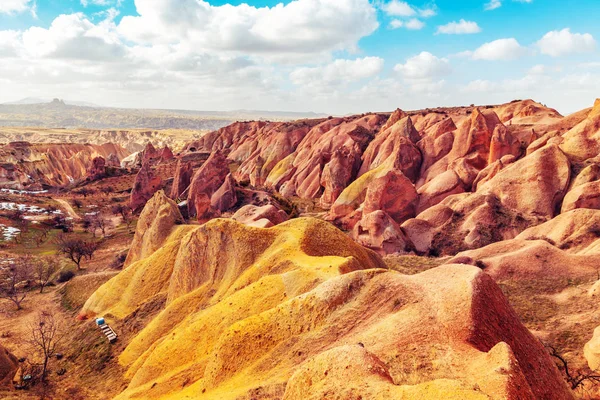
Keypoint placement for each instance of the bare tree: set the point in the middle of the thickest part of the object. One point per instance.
(97, 221)
(76, 249)
(14, 281)
(43, 270)
(125, 212)
(41, 236)
(577, 378)
(45, 337)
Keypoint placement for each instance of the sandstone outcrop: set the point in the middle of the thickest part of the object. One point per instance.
(157, 219)
(379, 232)
(205, 182)
(591, 351)
(260, 216)
(146, 184)
(182, 179)
(56, 165)
(300, 310)
(225, 197)
(583, 141)
(98, 169)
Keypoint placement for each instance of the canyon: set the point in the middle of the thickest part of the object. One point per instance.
(447, 252)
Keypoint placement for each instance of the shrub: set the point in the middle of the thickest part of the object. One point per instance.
(65, 276)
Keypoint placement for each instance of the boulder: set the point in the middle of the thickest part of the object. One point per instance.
(261, 217)
(379, 232)
(591, 350)
(393, 193)
(145, 185)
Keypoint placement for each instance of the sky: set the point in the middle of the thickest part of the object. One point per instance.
(329, 56)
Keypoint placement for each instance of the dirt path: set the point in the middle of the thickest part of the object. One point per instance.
(65, 204)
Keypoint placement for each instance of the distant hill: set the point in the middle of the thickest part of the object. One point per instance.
(64, 114)
(37, 100)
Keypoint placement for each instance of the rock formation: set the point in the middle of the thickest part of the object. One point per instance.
(146, 184)
(57, 165)
(205, 182)
(98, 169)
(8, 367)
(260, 216)
(182, 179)
(300, 310)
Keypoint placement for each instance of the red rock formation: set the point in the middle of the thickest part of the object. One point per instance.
(98, 169)
(113, 161)
(57, 165)
(225, 197)
(149, 154)
(378, 231)
(393, 193)
(338, 173)
(182, 179)
(146, 184)
(260, 217)
(205, 182)
(395, 145)
(166, 154)
(300, 173)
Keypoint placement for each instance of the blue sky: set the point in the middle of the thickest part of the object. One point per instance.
(336, 56)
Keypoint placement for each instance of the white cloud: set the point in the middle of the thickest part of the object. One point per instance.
(424, 67)
(396, 24)
(397, 8)
(337, 73)
(459, 28)
(493, 4)
(563, 42)
(414, 24)
(14, 6)
(501, 49)
(302, 27)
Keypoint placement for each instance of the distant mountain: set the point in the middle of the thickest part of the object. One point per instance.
(35, 112)
(37, 100)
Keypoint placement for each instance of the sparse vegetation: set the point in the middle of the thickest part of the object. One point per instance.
(76, 249)
(14, 280)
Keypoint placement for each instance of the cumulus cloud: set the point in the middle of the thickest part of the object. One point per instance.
(15, 6)
(424, 67)
(337, 73)
(459, 28)
(563, 42)
(499, 50)
(399, 8)
(301, 27)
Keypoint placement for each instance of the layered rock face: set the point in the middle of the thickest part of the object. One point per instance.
(476, 163)
(23, 164)
(299, 310)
